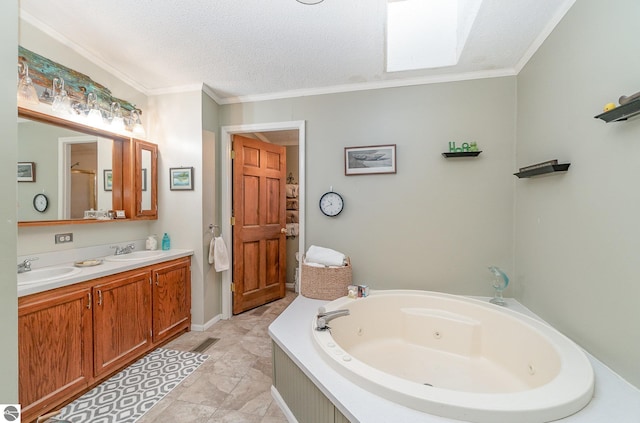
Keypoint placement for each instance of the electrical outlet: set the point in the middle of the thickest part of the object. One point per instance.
(62, 238)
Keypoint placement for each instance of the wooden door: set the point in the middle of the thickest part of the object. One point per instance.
(121, 319)
(54, 348)
(259, 240)
(171, 299)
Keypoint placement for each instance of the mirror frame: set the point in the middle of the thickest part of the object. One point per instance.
(122, 166)
(139, 146)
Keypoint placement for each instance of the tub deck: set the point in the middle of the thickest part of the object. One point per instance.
(615, 400)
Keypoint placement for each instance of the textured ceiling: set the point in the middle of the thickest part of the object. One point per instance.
(258, 49)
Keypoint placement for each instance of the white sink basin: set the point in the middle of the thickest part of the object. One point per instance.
(46, 274)
(136, 255)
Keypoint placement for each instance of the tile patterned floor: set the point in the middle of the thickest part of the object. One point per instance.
(234, 384)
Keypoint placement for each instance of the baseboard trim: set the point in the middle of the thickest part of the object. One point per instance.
(283, 405)
(207, 325)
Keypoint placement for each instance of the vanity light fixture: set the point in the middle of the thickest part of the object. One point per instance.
(94, 116)
(137, 127)
(117, 121)
(309, 2)
(26, 91)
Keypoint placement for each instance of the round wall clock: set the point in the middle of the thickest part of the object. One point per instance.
(40, 202)
(331, 204)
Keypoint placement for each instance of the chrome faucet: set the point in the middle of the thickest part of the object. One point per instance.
(325, 317)
(123, 250)
(25, 266)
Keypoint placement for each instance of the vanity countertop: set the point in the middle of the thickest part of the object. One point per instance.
(106, 268)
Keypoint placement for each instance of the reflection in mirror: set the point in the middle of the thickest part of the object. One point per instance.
(70, 169)
(146, 174)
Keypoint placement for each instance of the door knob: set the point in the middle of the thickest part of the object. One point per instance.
(283, 230)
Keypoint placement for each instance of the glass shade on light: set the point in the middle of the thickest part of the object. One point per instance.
(61, 103)
(117, 121)
(94, 116)
(137, 127)
(26, 91)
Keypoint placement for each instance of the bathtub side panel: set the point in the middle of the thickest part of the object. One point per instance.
(307, 403)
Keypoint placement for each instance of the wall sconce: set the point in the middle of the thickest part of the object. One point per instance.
(61, 101)
(137, 128)
(26, 91)
(94, 116)
(117, 122)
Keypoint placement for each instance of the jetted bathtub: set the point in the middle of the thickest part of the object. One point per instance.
(456, 357)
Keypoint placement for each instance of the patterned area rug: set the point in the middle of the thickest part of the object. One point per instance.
(126, 396)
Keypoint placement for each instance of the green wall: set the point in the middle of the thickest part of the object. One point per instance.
(437, 223)
(577, 235)
(8, 227)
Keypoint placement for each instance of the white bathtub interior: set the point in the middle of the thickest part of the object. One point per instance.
(456, 357)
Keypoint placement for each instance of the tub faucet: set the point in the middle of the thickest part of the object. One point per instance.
(123, 250)
(325, 317)
(25, 266)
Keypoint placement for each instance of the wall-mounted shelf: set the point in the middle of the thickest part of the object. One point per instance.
(621, 113)
(560, 167)
(462, 154)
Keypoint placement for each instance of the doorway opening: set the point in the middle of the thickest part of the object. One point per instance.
(273, 131)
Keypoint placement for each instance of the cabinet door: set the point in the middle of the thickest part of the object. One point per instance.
(54, 348)
(146, 179)
(171, 299)
(121, 319)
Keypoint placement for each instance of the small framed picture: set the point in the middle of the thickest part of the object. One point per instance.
(108, 180)
(369, 160)
(181, 178)
(26, 172)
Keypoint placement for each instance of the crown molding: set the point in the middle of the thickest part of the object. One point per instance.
(336, 89)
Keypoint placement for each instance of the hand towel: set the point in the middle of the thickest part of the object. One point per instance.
(325, 256)
(218, 255)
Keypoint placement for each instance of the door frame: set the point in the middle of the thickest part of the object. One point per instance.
(226, 168)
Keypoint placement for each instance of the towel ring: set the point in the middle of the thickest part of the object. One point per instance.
(212, 230)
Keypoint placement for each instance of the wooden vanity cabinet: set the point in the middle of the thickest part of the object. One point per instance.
(171, 299)
(71, 338)
(121, 319)
(54, 348)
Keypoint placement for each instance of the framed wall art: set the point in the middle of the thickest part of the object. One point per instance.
(370, 160)
(108, 180)
(26, 172)
(181, 178)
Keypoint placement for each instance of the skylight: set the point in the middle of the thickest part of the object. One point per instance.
(425, 34)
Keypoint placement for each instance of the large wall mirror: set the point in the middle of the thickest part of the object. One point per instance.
(78, 168)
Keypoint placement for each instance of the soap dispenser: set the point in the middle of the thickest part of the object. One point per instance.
(166, 242)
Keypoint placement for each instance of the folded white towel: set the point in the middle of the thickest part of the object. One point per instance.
(218, 255)
(325, 256)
